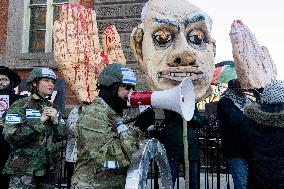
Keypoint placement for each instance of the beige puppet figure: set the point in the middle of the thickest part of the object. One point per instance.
(173, 42)
(254, 65)
(77, 49)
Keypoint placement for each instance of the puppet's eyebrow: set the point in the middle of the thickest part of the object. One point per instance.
(194, 19)
(167, 21)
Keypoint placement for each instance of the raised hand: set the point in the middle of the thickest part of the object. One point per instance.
(77, 50)
(253, 63)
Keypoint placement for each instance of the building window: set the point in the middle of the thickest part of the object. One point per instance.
(39, 18)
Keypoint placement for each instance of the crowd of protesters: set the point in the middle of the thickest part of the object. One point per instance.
(251, 123)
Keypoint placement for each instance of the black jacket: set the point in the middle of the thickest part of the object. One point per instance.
(231, 120)
(265, 133)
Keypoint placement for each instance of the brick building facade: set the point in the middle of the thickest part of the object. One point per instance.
(18, 18)
(3, 23)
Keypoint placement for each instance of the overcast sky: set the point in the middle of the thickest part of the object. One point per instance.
(265, 19)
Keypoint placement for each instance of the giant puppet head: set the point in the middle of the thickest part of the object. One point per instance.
(172, 42)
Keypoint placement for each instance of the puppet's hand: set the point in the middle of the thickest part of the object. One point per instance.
(77, 49)
(253, 63)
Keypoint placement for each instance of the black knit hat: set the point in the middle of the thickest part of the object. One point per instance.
(13, 76)
(234, 84)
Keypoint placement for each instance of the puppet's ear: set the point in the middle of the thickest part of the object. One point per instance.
(136, 40)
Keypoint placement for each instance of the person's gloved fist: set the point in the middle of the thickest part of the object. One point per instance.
(146, 118)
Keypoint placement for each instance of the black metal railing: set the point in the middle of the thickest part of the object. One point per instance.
(212, 167)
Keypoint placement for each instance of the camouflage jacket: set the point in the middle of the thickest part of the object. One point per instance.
(33, 143)
(99, 143)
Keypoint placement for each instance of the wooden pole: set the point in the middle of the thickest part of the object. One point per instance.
(186, 162)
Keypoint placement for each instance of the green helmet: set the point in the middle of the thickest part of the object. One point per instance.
(41, 73)
(116, 73)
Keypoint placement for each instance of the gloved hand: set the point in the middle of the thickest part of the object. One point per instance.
(145, 119)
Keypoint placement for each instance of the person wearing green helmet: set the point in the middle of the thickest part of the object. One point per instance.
(115, 82)
(105, 145)
(37, 75)
(32, 127)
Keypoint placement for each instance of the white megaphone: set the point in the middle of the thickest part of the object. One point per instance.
(180, 99)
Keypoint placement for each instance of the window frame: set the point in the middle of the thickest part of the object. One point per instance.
(50, 6)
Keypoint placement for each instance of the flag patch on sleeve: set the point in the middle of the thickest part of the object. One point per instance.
(12, 118)
(30, 113)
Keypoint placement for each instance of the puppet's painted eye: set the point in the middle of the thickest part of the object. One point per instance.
(163, 38)
(196, 37)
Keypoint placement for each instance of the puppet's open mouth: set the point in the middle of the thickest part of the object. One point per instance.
(179, 75)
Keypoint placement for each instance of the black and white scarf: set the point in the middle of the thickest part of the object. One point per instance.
(240, 99)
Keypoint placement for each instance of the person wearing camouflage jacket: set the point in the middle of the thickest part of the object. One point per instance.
(32, 127)
(105, 145)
